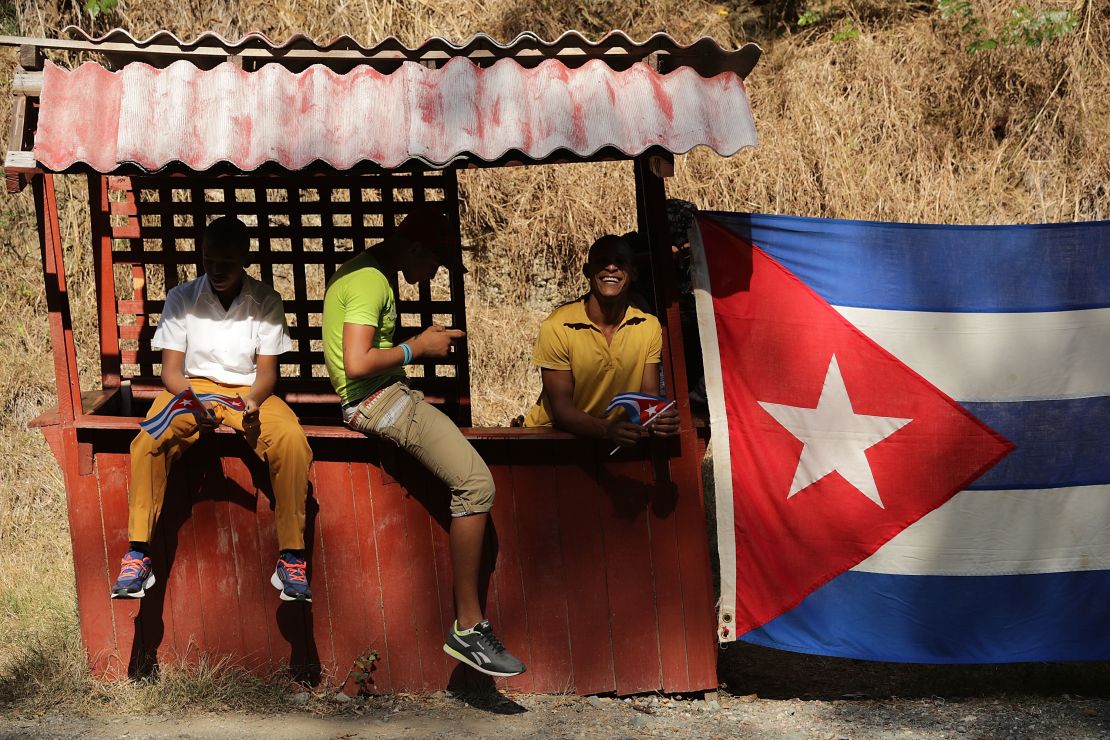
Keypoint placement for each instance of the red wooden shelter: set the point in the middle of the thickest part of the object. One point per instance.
(598, 572)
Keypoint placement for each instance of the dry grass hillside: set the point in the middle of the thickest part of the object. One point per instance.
(874, 110)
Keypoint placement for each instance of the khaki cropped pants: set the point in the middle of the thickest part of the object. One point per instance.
(277, 439)
(401, 415)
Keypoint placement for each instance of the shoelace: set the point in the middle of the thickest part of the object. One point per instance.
(295, 571)
(487, 633)
(132, 568)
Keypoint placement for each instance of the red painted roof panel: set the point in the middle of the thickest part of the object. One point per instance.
(154, 117)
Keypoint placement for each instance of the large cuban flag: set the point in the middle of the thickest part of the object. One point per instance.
(911, 436)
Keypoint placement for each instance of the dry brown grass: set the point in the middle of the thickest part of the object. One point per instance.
(898, 124)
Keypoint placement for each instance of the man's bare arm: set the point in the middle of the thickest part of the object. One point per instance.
(173, 371)
(558, 386)
(666, 423)
(265, 378)
(361, 360)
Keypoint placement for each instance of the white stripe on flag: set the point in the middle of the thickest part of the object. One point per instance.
(984, 533)
(157, 424)
(718, 441)
(998, 356)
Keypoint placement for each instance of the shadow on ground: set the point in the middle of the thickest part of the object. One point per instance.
(776, 674)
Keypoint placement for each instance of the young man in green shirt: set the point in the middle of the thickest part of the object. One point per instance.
(366, 369)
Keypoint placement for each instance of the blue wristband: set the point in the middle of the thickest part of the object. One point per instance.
(408, 354)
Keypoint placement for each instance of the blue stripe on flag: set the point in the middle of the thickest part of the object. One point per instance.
(156, 425)
(1059, 443)
(918, 267)
(950, 619)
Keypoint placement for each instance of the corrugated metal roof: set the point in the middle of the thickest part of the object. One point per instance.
(615, 47)
(181, 114)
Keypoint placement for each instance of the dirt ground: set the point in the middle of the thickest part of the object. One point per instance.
(764, 694)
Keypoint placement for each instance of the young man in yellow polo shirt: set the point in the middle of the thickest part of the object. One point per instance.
(595, 347)
(367, 370)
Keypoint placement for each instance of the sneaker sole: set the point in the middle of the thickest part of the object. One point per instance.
(138, 594)
(463, 659)
(275, 581)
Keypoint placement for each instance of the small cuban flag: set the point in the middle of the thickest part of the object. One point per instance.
(187, 402)
(642, 408)
(235, 404)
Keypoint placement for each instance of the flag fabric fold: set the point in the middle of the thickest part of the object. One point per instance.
(641, 408)
(235, 403)
(187, 402)
(909, 436)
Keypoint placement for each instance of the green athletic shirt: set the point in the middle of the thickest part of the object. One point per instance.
(358, 293)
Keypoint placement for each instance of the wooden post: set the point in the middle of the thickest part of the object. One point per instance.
(651, 212)
(14, 182)
(105, 281)
(685, 470)
(462, 367)
(66, 380)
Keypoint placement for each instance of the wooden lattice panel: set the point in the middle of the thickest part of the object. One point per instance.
(302, 228)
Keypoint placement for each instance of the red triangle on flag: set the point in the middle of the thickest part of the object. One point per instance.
(834, 444)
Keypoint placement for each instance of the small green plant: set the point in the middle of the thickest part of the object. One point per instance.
(97, 7)
(815, 15)
(1024, 27)
(363, 669)
(810, 17)
(847, 31)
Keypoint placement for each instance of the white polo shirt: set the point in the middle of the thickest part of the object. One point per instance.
(222, 345)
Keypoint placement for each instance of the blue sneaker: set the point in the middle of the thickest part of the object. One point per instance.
(135, 576)
(289, 578)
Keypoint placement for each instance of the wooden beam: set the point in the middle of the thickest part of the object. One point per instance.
(16, 123)
(14, 181)
(30, 56)
(662, 165)
(26, 82)
(20, 161)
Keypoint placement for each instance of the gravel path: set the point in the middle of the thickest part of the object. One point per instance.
(547, 716)
(766, 694)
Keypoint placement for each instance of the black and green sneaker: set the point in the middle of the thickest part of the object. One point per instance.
(480, 649)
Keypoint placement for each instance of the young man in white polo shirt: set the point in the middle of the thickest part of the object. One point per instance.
(222, 333)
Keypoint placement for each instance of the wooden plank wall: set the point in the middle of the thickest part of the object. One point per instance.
(585, 569)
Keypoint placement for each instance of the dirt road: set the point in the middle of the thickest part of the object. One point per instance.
(766, 694)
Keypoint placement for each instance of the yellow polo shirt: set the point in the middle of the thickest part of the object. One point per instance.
(570, 341)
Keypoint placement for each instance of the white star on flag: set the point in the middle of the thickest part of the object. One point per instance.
(835, 436)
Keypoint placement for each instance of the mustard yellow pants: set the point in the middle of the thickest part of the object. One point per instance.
(277, 439)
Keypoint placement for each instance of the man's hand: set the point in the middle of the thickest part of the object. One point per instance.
(207, 421)
(623, 433)
(666, 423)
(435, 341)
(250, 413)
(251, 425)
